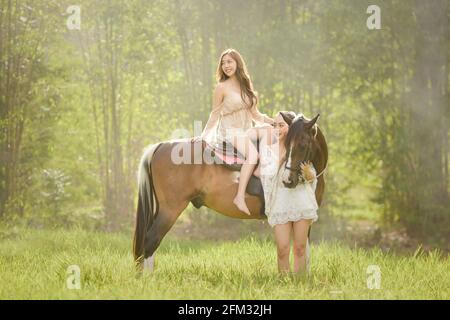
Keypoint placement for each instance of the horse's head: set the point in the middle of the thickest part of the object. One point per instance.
(300, 148)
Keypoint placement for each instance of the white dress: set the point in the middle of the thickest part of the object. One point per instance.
(284, 204)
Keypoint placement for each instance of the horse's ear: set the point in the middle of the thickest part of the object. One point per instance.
(313, 121)
(288, 117)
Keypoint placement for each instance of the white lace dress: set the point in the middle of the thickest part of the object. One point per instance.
(284, 204)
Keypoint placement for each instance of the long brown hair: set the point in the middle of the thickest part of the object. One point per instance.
(242, 75)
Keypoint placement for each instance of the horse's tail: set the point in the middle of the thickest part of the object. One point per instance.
(146, 209)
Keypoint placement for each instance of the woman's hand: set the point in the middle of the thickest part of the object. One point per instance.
(196, 139)
(307, 171)
(269, 120)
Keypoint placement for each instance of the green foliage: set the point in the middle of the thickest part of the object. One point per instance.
(88, 101)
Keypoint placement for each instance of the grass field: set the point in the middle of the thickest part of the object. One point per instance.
(34, 264)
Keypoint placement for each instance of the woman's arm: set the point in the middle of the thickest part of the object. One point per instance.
(261, 132)
(215, 113)
(260, 117)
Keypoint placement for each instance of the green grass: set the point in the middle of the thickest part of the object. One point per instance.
(33, 265)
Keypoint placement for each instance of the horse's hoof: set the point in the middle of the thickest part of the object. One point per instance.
(138, 274)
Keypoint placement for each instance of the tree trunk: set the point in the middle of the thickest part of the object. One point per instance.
(427, 103)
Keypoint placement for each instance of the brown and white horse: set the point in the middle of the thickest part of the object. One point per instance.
(166, 188)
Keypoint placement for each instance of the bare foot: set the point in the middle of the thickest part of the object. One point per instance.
(240, 203)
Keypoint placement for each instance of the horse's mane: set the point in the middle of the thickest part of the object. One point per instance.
(322, 148)
(294, 129)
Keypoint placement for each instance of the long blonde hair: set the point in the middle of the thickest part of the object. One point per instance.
(242, 75)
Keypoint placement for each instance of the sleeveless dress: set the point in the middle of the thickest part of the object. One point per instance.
(284, 204)
(231, 118)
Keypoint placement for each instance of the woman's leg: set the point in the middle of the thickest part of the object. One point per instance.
(283, 240)
(245, 146)
(301, 228)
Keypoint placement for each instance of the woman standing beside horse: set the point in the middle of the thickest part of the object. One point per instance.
(290, 209)
(234, 109)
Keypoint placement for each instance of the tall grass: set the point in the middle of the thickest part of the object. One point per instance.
(33, 265)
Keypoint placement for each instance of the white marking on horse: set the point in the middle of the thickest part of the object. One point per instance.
(149, 264)
(286, 172)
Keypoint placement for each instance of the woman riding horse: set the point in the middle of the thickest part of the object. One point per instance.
(166, 188)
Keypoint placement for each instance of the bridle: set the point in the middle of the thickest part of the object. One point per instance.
(299, 170)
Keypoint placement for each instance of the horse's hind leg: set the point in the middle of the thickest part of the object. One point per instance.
(164, 220)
